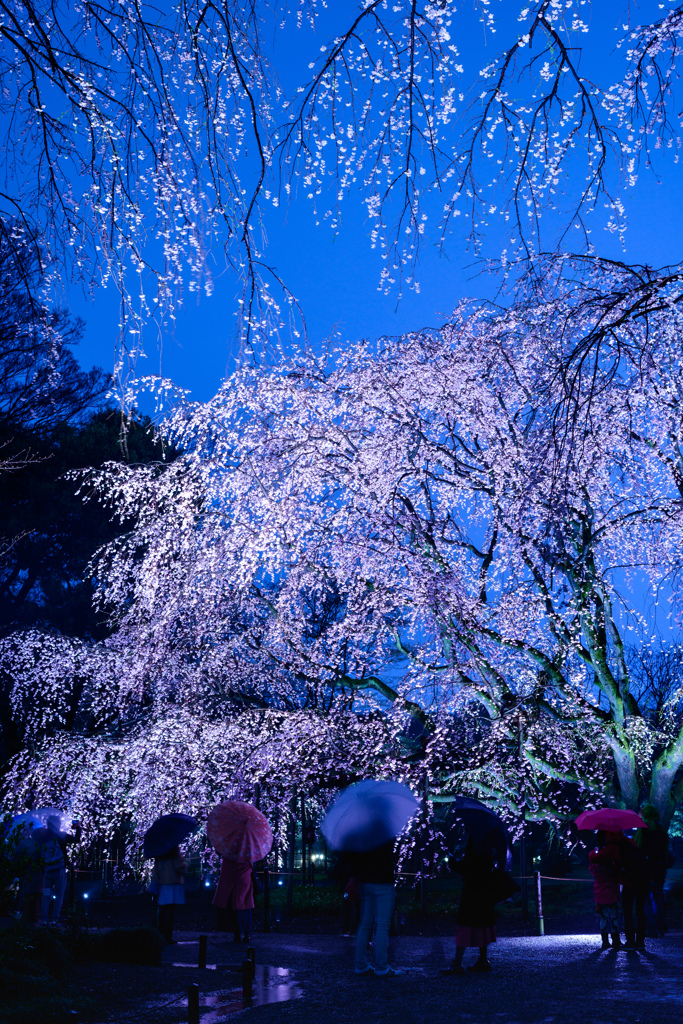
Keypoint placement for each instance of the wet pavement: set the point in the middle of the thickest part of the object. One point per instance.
(302, 978)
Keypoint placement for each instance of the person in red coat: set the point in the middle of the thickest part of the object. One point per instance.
(235, 890)
(605, 867)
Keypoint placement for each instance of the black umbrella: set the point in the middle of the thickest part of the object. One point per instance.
(167, 832)
(481, 823)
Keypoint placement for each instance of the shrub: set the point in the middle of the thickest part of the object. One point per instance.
(33, 962)
(125, 946)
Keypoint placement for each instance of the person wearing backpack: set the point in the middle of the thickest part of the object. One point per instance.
(56, 861)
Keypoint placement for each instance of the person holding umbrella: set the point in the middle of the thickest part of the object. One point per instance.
(161, 842)
(168, 874)
(242, 835)
(605, 867)
(485, 881)
(364, 823)
(635, 884)
(56, 861)
(477, 907)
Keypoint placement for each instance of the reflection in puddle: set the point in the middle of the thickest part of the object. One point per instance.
(271, 985)
(209, 967)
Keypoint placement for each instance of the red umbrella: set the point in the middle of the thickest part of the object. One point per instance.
(611, 819)
(239, 831)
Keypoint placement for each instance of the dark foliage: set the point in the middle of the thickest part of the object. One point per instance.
(125, 946)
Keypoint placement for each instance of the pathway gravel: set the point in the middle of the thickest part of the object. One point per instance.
(552, 980)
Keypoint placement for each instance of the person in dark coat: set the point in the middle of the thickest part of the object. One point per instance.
(350, 889)
(654, 844)
(635, 890)
(477, 910)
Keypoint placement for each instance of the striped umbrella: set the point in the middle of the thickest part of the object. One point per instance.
(239, 831)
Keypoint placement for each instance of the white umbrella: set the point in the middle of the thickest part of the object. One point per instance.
(368, 814)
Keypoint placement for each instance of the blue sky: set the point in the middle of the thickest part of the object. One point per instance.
(336, 278)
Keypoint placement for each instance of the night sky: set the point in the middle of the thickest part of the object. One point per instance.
(335, 278)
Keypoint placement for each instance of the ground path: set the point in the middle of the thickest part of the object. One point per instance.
(551, 980)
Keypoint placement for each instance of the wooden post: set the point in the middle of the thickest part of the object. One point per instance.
(522, 858)
(247, 990)
(304, 873)
(290, 857)
(423, 880)
(266, 900)
(202, 951)
(539, 904)
(193, 1004)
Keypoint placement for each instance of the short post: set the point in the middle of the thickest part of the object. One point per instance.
(522, 859)
(202, 951)
(251, 957)
(193, 1004)
(303, 840)
(247, 990)
(539, 904)
(266, 900)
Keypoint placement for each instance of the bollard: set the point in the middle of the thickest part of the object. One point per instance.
(247, 980)
(193, 1004)
(202, 951)
(266, 900)
(539, 904)
(251, 957)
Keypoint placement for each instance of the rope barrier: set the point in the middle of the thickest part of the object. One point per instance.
(551, 878)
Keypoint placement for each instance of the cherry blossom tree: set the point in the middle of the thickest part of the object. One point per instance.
(458, 530)
(476, 552)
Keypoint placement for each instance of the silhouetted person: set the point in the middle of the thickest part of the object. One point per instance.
(654, 843)
(634, 893)
(476, 910)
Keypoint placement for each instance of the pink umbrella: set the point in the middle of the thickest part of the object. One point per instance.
(611, 819)
(239, 831)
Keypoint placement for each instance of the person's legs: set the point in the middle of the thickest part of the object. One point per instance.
(482, 964)
(166, 921)
(608, 918)
(367, 916)
(627, 900)
(60, 890)
(50, 879)
(641, 898)
(244, 920)
(659, 905)
(384, 906)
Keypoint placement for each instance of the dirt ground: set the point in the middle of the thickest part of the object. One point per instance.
(552, 980)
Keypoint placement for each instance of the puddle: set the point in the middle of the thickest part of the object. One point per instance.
(271, 985)
(209, 967)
